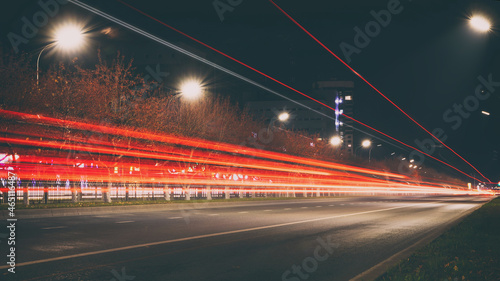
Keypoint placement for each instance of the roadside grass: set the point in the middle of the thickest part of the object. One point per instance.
(53, 205)
(468, 251)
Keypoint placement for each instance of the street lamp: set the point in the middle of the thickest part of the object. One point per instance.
(335, 141)
(366, 143)
(283, 116)
(480, 23)
(68, 37)
(191, 89)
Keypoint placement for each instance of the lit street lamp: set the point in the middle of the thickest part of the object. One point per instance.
(191, 90)
(480, 23)
(284, 116)
(335, 141)
(68, 37)
(366, 143)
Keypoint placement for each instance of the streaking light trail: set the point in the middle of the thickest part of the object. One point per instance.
(108, 166)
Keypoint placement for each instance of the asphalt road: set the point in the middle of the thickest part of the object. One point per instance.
(316, 239)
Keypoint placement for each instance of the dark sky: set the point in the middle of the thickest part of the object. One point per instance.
(426, 59)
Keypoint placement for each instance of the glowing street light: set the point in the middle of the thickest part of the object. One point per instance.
(335, 141)
(283, 116)
(485, 113)
(191, 90)
(366, 143)
(68, 38)
(480, 23)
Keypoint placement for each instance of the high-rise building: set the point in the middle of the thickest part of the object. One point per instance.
(312, 117)
(339, 94)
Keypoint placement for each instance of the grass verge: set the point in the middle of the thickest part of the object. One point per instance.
(468, 251)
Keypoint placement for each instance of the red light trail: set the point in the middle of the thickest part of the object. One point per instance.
(139, 164)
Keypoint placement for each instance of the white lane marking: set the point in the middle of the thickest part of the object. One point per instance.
(342, 204)
(213, 214)
(101, 216)
(201, 236)
(124, 221)
(267, 210)
(55, 227)
(174, 218)
(286, 209)
(242, 212)
(304, 207)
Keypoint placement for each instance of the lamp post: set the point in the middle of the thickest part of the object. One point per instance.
(364, 144)
(38, 63)
(368, 144)
(68, 37)
(282, 117)
(370, 151)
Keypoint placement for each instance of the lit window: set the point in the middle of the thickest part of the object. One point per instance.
(348, 97)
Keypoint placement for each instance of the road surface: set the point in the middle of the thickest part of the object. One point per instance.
(314, 239)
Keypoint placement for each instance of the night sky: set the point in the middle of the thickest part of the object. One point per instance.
(426, 59)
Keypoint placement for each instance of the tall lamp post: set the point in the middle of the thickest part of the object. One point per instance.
(282, 117)
(68, 37)
(368, 144)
